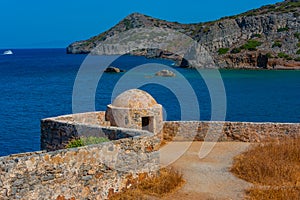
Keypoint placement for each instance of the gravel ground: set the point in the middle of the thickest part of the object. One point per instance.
(209, 178)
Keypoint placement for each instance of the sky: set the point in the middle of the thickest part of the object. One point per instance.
(57, 23)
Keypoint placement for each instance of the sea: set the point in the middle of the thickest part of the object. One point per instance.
(40, 83)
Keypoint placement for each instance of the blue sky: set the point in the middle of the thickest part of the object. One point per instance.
(56, 23)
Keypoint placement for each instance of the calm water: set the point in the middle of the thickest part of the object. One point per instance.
(38, 83)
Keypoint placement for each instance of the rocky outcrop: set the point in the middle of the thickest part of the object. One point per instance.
(165, 73)
(113, 70)
(274, 30)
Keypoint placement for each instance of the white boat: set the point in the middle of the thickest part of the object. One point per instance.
(8, 52)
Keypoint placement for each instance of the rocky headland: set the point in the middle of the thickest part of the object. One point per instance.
(267, 38)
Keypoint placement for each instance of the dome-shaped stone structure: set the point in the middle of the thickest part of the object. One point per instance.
(134, 98)
(135, 109)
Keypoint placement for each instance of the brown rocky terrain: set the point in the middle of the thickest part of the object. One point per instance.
(268, 37)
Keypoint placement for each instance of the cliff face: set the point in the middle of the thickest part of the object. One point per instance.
(265, 37)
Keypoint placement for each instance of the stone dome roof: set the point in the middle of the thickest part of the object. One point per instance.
(134, 98)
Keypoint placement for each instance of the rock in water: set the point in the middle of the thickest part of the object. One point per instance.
(113, 70)
(165, 73)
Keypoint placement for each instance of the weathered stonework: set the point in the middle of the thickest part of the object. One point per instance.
(90, 172)
(227, 131)
(57, 132)
(135, 109)
(92, 118)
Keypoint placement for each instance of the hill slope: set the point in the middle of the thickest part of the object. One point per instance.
(264, 37)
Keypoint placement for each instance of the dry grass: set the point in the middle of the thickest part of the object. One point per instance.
(274, 168)
(165, 182)
(163, 143)
(274, 193)
(129, 194)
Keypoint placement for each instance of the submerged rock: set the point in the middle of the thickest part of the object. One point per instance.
(165, 73)
(113, 70)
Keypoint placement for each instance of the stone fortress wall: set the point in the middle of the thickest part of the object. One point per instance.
(89, 172)
(96, 171)
(227, 131)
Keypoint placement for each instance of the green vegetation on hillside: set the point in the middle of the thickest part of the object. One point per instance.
(235, 50)
(283, 29)
(128, 24)
(251, 45)
(287, 6)
(206, 29)
(222, 51)
(256, 36)
(221, 31)
(277, 44)
(283, 55)
(269, 55)
(283, 7)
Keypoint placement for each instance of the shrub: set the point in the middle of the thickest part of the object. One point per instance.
(298, 45)
(269, 55)
(256, 36)
(297, 35)
(222, 51)
(283, 55)
(235, 50)
(297, 59)
(250, 13)
(206, 29)
(287, 7)
(94, 140)
(251, 45)
(277, 44)
(269, 8)
(75, 143)
(298, 52)
(296, 14)
(86, 141)
(283, 29)
(128, 24)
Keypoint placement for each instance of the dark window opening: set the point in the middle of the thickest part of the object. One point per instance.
(145, 123)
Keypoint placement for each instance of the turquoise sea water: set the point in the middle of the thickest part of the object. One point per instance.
(38, 83)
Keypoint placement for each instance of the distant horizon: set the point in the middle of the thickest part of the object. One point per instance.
(56, 24)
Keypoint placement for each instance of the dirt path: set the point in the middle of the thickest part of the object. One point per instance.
(209, 178)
